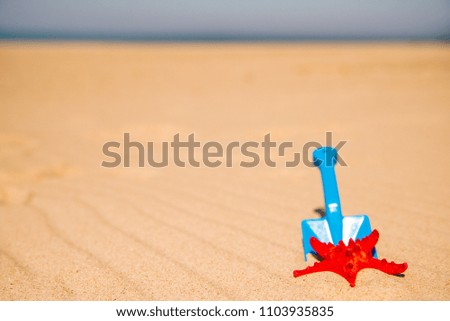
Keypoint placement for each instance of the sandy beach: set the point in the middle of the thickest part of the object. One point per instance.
(71, 229)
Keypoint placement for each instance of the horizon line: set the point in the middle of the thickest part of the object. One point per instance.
(219, 37)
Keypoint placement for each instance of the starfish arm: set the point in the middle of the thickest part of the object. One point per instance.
(368, 243)
(351, 279)
(387, 267)
(317, 267)
(320, 247)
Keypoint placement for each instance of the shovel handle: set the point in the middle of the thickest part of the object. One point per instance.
(325, 158)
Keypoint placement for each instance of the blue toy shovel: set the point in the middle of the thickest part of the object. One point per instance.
(333, 227)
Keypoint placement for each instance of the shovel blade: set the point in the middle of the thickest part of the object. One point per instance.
(353, 227)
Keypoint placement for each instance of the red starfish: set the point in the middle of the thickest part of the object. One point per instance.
(348, 260)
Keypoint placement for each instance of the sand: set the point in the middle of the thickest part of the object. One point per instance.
(71, 229)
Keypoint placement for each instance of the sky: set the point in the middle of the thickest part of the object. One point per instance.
(227, 19)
